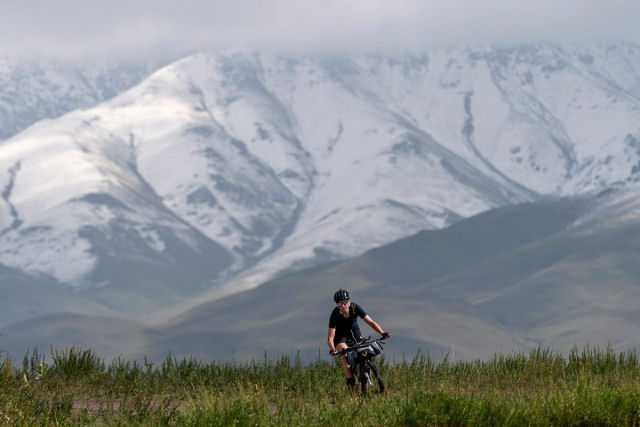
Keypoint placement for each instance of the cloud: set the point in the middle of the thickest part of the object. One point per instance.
(72, 27)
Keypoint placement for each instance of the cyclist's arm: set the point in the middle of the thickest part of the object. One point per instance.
(373, 324)
(332, 334)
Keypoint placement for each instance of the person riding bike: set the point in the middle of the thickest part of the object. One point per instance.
(344, 328)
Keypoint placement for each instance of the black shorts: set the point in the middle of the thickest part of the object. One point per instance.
(348, 340)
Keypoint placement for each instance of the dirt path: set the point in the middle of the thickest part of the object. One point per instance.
(94, 406)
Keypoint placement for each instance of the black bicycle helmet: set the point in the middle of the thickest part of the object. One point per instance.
(341, 295)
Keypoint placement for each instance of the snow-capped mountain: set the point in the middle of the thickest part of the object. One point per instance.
(33, 90)
(221, 170)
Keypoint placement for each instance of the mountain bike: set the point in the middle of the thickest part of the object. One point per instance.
(360, 358)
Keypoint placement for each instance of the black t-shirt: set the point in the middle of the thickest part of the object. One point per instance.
(347, 327)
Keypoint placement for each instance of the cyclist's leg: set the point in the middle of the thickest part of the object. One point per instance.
(340, 344)
(348, 373)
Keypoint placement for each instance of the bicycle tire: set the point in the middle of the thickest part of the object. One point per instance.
(364, 383)
(374, 370)
(369, 378)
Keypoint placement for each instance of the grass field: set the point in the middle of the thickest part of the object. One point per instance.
(585, 387)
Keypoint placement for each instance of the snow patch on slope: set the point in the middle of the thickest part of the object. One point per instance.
(289, 161)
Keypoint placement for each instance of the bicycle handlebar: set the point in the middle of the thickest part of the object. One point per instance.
(362, 343)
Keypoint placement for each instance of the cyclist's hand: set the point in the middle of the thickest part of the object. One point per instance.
(386, 334)
(332, 352)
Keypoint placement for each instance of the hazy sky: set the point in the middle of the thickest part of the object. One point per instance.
(70, 27)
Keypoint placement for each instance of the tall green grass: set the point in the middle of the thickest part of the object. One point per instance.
(584, 387)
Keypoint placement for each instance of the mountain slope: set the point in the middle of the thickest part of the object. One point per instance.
(24, 296)
(509, 279)
(290, 312)
(553, 273)
(35, 89)
(221, 171)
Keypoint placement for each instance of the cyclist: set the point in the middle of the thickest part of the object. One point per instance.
(343, 328)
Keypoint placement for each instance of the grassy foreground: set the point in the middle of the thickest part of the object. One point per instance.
(588, 387)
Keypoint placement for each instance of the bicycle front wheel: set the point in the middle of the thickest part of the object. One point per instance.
(376, 378)
(369, 378)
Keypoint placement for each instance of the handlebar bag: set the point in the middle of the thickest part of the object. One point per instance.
(377, 347)
(369, 351)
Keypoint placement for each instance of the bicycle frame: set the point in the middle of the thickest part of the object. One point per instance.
(360, 358)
